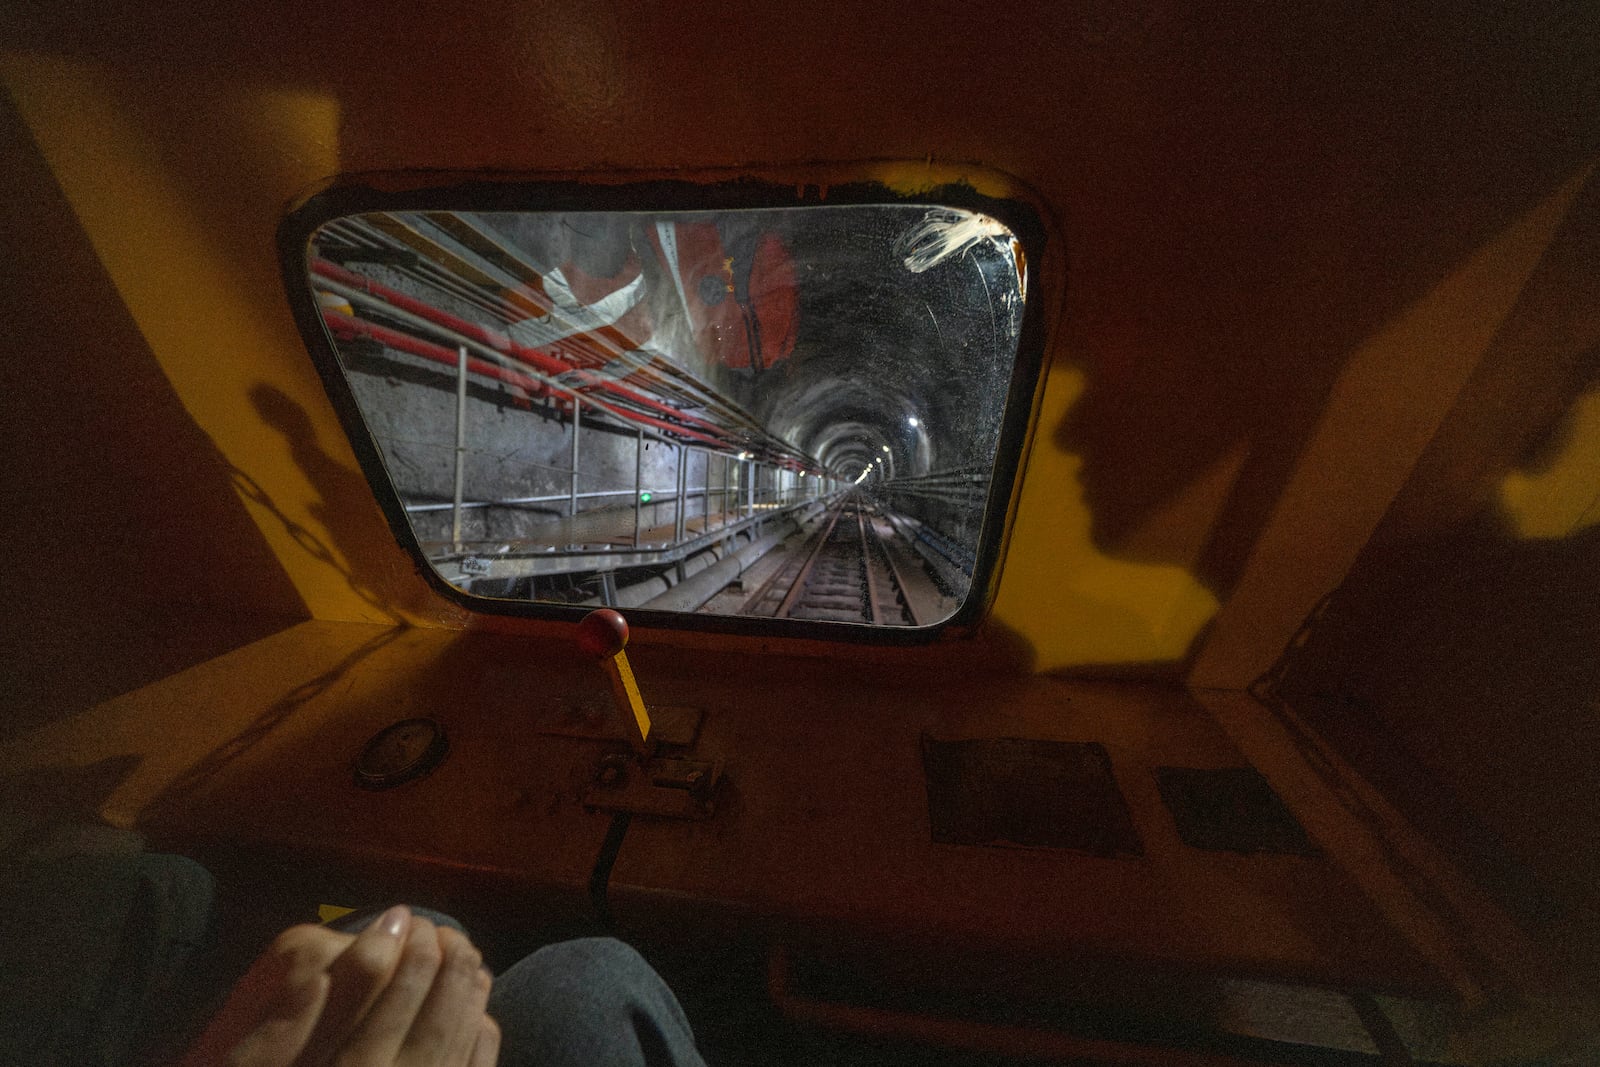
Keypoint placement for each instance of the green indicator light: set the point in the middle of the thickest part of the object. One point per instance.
(644, 498)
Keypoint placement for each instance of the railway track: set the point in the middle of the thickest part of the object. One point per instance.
(842, 574)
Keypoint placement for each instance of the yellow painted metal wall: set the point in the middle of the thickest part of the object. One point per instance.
(1263, 227)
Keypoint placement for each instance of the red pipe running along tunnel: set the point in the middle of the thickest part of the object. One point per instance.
(349, 326)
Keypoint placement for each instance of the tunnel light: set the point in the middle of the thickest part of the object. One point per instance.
(886, 448)
(913, 422)
(744, 455)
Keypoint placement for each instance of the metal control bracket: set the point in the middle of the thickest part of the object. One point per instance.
(643, 781)
(666, 787)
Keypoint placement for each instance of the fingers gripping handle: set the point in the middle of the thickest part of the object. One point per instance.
(603, 634)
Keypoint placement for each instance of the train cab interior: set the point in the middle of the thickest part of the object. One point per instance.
(1103, 501)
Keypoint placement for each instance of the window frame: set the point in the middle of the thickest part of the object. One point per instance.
(413, 192)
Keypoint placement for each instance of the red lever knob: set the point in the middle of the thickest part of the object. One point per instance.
(602, 633)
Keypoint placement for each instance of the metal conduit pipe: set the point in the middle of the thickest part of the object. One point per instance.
(689, 594)
(347, 327)
(641, 592)
(518, 501)
(953, 474)
(682, 381)
(423, 271)
(338, 280)
(341, 281)
(969, 499)
(340, 322)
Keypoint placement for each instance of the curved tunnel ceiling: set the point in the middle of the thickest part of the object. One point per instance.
(850, 331)
(889, 362)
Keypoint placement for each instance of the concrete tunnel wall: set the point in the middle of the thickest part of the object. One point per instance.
(515, 448)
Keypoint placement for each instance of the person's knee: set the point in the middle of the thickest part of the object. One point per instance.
(592, 1000)
(178, 877)
(581, 976)
(597, 958)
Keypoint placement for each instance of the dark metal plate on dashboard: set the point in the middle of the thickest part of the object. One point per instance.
(1038, 794)
(1230, 810)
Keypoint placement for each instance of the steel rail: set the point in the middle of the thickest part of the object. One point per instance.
(799, 584)
(854, 562)
(895, 575)
(874, 608)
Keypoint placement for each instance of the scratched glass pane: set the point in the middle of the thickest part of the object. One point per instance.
(786, 413)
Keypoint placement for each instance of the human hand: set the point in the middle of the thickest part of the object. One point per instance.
(402, 993)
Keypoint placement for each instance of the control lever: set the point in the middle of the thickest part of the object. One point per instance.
(603, 634)
(673, 787)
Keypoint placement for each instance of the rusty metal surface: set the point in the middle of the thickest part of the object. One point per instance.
(666, 787)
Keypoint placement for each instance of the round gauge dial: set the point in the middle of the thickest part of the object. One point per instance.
(400, 753)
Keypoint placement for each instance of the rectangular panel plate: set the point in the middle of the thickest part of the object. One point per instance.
(1230, 810)
(1031, 794)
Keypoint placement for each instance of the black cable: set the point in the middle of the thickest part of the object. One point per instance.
(600, 878)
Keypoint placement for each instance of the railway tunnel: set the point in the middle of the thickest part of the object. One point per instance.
(785, 413)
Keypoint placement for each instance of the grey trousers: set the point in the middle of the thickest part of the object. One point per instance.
(95, 945)
(592, 1002)
(98, 937)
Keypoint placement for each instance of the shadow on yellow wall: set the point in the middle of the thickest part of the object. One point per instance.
(1460, 652)
(1557, 493)
(180, 178)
